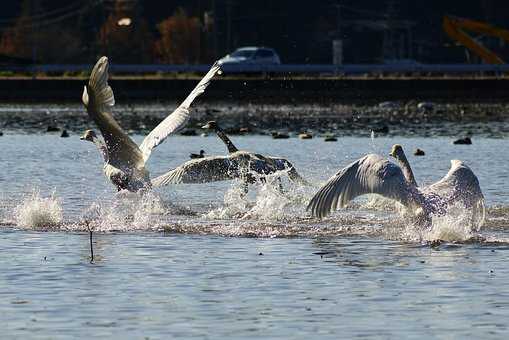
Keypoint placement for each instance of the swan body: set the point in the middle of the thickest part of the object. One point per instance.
(373, 174)
(253, 162)
(247, 166)
(238, 165)
(124, 159)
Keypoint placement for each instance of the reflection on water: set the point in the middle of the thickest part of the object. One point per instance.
(164, 268)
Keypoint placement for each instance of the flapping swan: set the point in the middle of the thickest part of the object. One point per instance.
(124, 160)
(274, 163)
(237, 164)
(373, 174)
(460, 185)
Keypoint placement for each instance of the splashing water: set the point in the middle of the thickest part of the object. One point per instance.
(458, 225)
(270, 203)
(38, 212)
(127, 211)
(373, 144)
(235, 203)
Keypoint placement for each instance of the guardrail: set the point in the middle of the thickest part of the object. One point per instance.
(283, 69)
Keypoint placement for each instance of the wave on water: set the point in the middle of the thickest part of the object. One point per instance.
(37, 212)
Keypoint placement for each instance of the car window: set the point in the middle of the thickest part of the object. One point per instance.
(264, 54)
(243, 53)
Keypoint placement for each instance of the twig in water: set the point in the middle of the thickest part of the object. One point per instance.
(91, 243)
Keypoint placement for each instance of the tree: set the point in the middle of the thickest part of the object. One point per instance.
(180, 39)
(46, 42)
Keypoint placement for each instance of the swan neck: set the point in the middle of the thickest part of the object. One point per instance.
(407, 170)
(220, 133)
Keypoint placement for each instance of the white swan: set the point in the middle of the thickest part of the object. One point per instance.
(237, 164)
(373, 174)
(124, 160)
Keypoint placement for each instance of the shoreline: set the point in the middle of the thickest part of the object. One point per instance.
(276, 90)
(386, 119)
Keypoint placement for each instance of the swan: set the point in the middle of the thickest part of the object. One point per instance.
(237, 164)
(373, 174)
(274, 163)
(124, 160)
(460, 184)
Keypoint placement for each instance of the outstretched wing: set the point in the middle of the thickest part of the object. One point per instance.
(178, 118)
(202, 170)
(98, 98)
(371, 174)
(460, 183)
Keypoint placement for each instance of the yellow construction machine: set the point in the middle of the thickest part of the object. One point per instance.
(456, 29)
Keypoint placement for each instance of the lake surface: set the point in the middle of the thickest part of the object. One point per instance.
(203, 261)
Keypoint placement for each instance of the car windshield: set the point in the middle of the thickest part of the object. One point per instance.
(243, 53)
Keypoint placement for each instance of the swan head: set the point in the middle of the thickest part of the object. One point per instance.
(89, 135)
(210, 125)
(397, 152)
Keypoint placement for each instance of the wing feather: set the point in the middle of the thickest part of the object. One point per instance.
(98, 98)
(178, 118)
(460, 183)
(202, 170)
(370, 174)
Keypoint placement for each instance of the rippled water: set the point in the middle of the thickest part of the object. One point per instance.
(200, 260)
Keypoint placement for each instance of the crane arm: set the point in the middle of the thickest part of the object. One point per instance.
(455, 29)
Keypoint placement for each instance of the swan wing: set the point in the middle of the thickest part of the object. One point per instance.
(178, 118)
(98, 98)
(371, 174)
(459, 183)
(202, 170)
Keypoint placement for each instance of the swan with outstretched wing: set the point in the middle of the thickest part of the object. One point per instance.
(247, 166)
(124, 160)
(373, 174)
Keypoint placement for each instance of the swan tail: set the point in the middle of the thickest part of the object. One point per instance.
(98, 93)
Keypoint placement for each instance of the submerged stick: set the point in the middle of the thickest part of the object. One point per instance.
(91, 248)
(91, 243)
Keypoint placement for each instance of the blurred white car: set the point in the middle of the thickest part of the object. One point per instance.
(251, 55)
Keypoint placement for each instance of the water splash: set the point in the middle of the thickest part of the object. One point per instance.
(127, 211)
(373, 144)
(460, 224)
(38, 212)
(273, 201)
